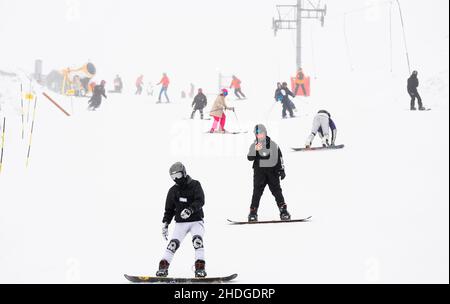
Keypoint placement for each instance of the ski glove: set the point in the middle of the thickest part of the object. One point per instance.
(186, 213)
(282, 174)
(165, 231)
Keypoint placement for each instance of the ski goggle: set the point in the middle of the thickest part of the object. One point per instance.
(176, 175)
(259, 131)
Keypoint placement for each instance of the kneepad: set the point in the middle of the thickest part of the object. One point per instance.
(197, 241)
(173, 245)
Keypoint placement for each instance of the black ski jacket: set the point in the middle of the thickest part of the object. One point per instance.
(181, 197)
(200, 101)
(413, 84)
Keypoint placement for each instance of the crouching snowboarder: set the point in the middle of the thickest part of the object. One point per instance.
(184, 201)
(268, 169)
(199, 103)
(321, 125)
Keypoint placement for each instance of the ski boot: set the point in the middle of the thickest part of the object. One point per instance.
(413, 109)
(200, 269)
(284, 214)
(422, 109)
(253, 216)
(163, 269)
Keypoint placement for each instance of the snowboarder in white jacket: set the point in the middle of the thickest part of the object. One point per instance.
(322, 125)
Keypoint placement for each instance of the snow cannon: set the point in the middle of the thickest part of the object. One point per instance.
(72, 81)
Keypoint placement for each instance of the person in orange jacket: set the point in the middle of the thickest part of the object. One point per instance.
(139, 84)
(236, 84)
(300, 82)
(164, 87)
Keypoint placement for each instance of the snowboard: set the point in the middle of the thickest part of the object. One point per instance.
(217, 280)
(318, 148)
(426, 110)
(270, 222)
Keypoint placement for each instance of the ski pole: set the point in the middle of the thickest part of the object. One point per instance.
(239, 124)
(3, 143)
(21, 104)
(271, 109)
(32, 129)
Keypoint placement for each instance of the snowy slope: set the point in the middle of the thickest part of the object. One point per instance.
(91, 201)
(89, 206)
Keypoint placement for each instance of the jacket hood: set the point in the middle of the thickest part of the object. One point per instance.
(260, 128)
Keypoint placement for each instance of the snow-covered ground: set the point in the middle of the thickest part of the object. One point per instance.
(89, 206)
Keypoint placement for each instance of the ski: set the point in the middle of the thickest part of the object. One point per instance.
(217, 280)
(318, 148)
(270, 222)
(229, 133)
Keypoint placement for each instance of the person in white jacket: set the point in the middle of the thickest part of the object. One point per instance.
(322, 125)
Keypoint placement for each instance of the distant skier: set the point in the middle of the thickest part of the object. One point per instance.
(185, 202)
(118, 84)
(97, 94)
(139, 84)
(199, 103)
(300, 82)
(164, 87)
(268, 169)
(236, 84)
(321, 125)
(286, 101)
(279, 96)
(218, 112)
(413, 84)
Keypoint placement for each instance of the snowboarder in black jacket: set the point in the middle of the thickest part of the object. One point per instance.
(413, 84)
(98, 93)
(199, 103)
(184, 202)
(268, 169)
(286, 101)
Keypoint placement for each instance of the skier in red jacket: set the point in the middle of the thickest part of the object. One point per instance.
(236, 84)
(164, 87)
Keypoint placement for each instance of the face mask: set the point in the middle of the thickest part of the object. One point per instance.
(181, 181)
(179, 178)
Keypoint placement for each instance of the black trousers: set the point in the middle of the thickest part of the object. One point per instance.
(287, 107)
(195, 110)
(239, 91)
(262, 178)
(415, 95)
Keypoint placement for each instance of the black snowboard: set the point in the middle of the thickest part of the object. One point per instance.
(270, 222)
(318, 148)
(218, 280)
